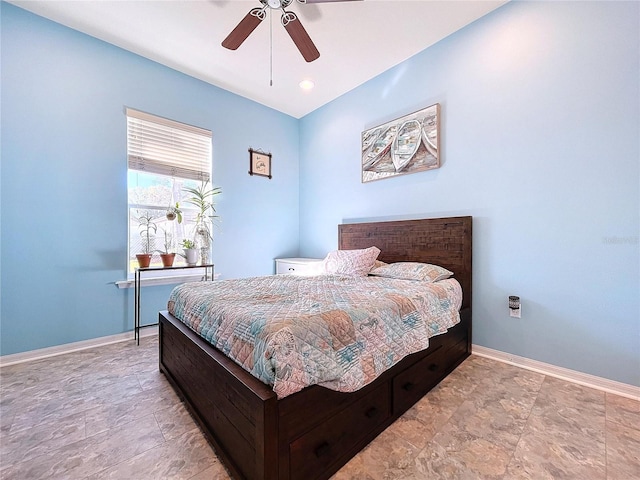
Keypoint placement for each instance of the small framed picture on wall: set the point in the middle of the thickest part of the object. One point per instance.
(259, 163)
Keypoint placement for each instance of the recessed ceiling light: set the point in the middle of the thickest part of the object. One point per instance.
(306, 84)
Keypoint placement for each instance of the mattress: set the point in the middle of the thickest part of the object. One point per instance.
(336, 331)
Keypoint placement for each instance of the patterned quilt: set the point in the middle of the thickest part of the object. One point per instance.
(336, 331)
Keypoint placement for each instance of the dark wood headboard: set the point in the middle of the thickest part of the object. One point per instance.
(440, 241)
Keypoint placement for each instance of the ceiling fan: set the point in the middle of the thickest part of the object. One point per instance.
(289, 21)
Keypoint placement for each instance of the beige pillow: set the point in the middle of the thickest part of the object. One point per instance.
(357, 263)
(378, 263)
(412, 271)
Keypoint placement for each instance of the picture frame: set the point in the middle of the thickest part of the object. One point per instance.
(408, 144)
(259, 163)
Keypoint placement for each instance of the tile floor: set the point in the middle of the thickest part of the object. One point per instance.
(108, 413)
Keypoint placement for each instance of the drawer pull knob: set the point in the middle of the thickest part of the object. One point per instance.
(408, 386)
(291, 269)
(322, 449)
(372, 412)
(433, 367)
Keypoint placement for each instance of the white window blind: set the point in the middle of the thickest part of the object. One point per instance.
(162, 146)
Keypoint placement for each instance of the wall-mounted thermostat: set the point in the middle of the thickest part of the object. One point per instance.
(515, 309)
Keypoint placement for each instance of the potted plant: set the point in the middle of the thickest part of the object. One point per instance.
(202, 198)
(190, 251)
(148, 229)
(173, 213)
(166, 256)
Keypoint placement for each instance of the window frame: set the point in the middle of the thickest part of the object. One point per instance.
(142, 157)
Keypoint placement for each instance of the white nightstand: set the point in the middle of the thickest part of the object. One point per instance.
(298, 266)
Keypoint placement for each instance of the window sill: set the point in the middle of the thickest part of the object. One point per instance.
(163, 280)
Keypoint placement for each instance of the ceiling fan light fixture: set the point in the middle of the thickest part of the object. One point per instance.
(307, 84)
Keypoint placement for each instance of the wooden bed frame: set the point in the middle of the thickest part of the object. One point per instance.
(313, 433)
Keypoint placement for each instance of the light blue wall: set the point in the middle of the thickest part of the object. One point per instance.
(540, 127)
(540, 141)
(63, 192)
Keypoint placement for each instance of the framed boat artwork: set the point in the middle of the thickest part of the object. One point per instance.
(407, 144)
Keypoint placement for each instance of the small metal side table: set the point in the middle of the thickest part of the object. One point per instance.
(137, 280)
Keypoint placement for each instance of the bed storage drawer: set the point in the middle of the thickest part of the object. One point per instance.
(454, 334)
(412, 384)
(314, 451)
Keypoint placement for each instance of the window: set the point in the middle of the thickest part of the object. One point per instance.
(164, 157)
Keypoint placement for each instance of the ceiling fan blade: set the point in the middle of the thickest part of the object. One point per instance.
(300, 36)
(247, 25)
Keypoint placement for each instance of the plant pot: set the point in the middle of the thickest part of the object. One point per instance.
(191, 254)
(171, 216)
(144, 259)
(167, 259)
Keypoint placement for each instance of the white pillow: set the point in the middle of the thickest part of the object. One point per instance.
(356, 263)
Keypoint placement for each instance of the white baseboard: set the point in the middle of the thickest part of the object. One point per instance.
(599, 383)
(6, 360)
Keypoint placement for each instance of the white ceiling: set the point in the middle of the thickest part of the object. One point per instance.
(357, 40)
